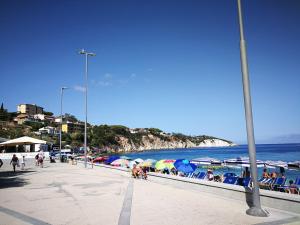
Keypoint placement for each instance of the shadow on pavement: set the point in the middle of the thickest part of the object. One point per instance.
(10, 179)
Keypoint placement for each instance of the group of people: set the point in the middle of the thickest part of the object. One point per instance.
(138, 172)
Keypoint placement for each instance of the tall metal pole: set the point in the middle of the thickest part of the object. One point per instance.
(83, 52)
(61, 118)
(60, 130)
(255, 209)
(85, 122)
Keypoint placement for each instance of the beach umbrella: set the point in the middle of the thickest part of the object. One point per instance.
(184, 165)
(131, 163)
(161, 164)
(180, 161)
(148, 163)
(125, 157)
(206, 161)
(100, 159)
(138, 160)
(111, 159)
(120, 162)
(274, 164)
(242, 162)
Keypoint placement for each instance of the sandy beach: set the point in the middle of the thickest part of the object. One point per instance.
(70, 194)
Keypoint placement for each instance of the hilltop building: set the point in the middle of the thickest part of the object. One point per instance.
(29, 109)
(70, 127)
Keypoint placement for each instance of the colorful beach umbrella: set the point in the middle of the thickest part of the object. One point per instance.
(184, 165)
(111, 159)
(162, 164)
(100, 159)
(131, 163)
(120, 162)
(138, 160)
(125, 157)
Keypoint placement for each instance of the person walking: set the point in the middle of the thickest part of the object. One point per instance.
(14, 161)
(23, 162)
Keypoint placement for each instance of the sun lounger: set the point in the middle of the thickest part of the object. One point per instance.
(201, 175)
(230, 180)
(278, 182)
(245, 182)
(266, 183)
(229, 175)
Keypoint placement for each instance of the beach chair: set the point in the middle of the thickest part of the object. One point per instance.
(230, 175)
(245, 182)
(201, 175)
(230, 180)
(266, 183)
(278, 182)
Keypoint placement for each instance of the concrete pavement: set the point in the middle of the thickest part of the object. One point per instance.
(69, 194)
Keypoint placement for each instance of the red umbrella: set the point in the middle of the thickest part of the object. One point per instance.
(100, 159)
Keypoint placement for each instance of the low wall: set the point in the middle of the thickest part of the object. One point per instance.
(28, 155)
(272, 199)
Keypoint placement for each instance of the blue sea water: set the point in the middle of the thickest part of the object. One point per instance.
(274, 152)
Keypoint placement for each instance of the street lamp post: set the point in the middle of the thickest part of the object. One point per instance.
(87, 54)
(61, 117)
(255, 209)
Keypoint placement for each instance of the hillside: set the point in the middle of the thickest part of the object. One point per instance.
(120, 138)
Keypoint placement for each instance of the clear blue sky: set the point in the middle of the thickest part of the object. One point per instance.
(171, 64)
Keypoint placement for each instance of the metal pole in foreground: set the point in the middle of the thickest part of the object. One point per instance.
(83, 52)
(61, 118)
(255, 209)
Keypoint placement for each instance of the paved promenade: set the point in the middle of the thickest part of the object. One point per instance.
(68, 194)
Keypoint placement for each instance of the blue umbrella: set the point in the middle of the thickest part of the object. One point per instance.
(180, 161)
(111, 159)
(185, 166)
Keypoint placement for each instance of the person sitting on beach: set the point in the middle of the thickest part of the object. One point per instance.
(265, 174)
(144, 173)
(274, 175)
(292, 189)
(210, 175)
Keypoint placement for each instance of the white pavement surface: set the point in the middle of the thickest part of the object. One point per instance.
(69, 194)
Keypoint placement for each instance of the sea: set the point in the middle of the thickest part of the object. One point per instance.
(264, 152)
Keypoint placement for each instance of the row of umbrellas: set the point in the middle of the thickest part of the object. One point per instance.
(181, 165)
(184, 165)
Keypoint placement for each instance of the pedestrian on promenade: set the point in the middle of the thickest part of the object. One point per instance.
(37, 160)
(1, 163)
(23, 162)
(41, 159)
(14, 161)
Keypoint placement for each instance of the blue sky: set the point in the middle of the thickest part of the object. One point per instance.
(174, 65)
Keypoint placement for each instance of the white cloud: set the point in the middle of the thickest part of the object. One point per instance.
(79, 88)
(132, 76)
(104, 83)
(108, 76)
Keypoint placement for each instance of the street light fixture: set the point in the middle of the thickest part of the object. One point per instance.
(83, 52)
(256, 209)
(61, 117)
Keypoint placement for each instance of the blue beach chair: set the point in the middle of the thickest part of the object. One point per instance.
(230, 180)
(278, 182)
(201, 175)
(230, 175)
(266, 183)
(245, 182)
